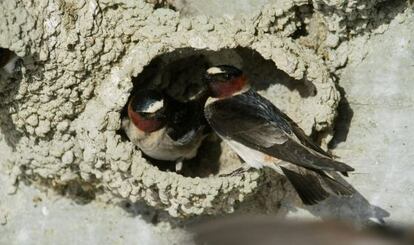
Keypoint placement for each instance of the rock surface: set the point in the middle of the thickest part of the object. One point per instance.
(63, 135)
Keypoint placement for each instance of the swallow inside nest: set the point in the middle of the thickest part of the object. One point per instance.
(164, 116)
(8, 60)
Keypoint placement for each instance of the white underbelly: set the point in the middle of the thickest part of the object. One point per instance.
(254, 158)
(159, 145)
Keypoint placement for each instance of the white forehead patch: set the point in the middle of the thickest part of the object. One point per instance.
(155, 106)
(214, 70)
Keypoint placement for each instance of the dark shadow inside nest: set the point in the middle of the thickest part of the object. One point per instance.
(179, 75)
(10, 77)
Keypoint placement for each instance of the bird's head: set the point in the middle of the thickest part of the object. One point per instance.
(146, 110)
(225, 81)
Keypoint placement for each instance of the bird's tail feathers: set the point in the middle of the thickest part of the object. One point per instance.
(335, 186)
(314, 187)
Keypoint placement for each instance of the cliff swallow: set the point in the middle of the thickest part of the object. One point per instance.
(263, 136)
(8, 60)
(164, 129)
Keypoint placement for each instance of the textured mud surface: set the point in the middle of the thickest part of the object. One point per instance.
(79, 60)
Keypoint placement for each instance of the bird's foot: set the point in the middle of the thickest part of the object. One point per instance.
(236, 172)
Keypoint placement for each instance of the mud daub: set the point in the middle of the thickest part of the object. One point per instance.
(179, 74)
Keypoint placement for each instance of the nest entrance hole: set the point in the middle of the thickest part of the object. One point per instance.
(6, 56)
(179, 74)
(10, 76)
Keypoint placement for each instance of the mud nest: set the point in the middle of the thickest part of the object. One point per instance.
(61, 113)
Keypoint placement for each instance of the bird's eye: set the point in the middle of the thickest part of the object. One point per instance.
(227, 76)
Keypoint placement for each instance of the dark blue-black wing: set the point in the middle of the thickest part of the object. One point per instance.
(254, 121)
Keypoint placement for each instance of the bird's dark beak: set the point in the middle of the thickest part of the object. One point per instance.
(207, 78)
(206, 89)
(160, 115)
